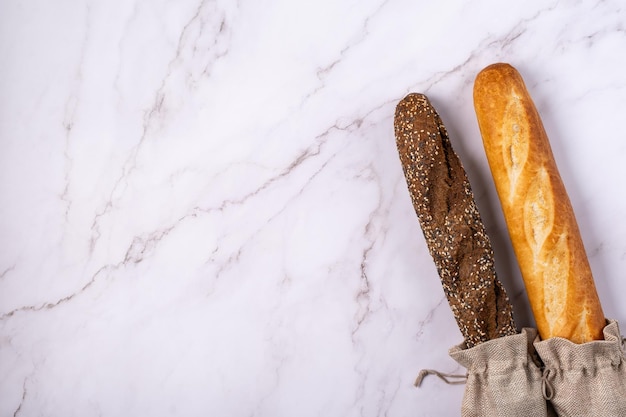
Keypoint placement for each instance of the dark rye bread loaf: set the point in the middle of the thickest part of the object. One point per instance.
(455, 235)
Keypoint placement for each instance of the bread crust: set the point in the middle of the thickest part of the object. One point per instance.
(449, 218)
(537, 209)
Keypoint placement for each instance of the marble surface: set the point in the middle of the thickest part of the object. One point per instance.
(203, 211)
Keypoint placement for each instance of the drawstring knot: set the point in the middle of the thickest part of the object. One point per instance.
(546, 387)
(452, 379)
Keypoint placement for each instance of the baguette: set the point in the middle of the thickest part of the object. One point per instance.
(454, 232)
(537, 210)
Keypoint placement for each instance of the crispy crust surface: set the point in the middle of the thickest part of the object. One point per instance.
(451, 224)
(538, 212)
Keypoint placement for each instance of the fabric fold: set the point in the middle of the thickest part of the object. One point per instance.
(504, 377)
(586, 379)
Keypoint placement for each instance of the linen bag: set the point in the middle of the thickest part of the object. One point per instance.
(521, 375)
(504, 377)
(588, 379)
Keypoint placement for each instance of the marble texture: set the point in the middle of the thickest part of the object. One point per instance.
(203, 211)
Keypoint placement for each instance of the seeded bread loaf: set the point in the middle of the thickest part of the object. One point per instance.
(538, 212)
(455, 235)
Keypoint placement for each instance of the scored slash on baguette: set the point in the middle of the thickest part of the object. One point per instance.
(454, 232)
(537, 210)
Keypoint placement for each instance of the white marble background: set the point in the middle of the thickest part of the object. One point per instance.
(203, 211)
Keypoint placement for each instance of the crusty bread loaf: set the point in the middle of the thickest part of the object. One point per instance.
(454, 232)
(538, 212)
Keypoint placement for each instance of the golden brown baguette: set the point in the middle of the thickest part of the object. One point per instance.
(538, 212)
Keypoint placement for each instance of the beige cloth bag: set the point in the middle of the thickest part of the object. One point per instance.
(504, 378)
(522, 376)
(587, 379)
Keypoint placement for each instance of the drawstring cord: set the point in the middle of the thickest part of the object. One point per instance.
(546, 387)
(455, 379)
(447, 378)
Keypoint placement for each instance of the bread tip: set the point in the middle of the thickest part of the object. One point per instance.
(498, 66)
(414, 97)
(495, 72)
(412, 102)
